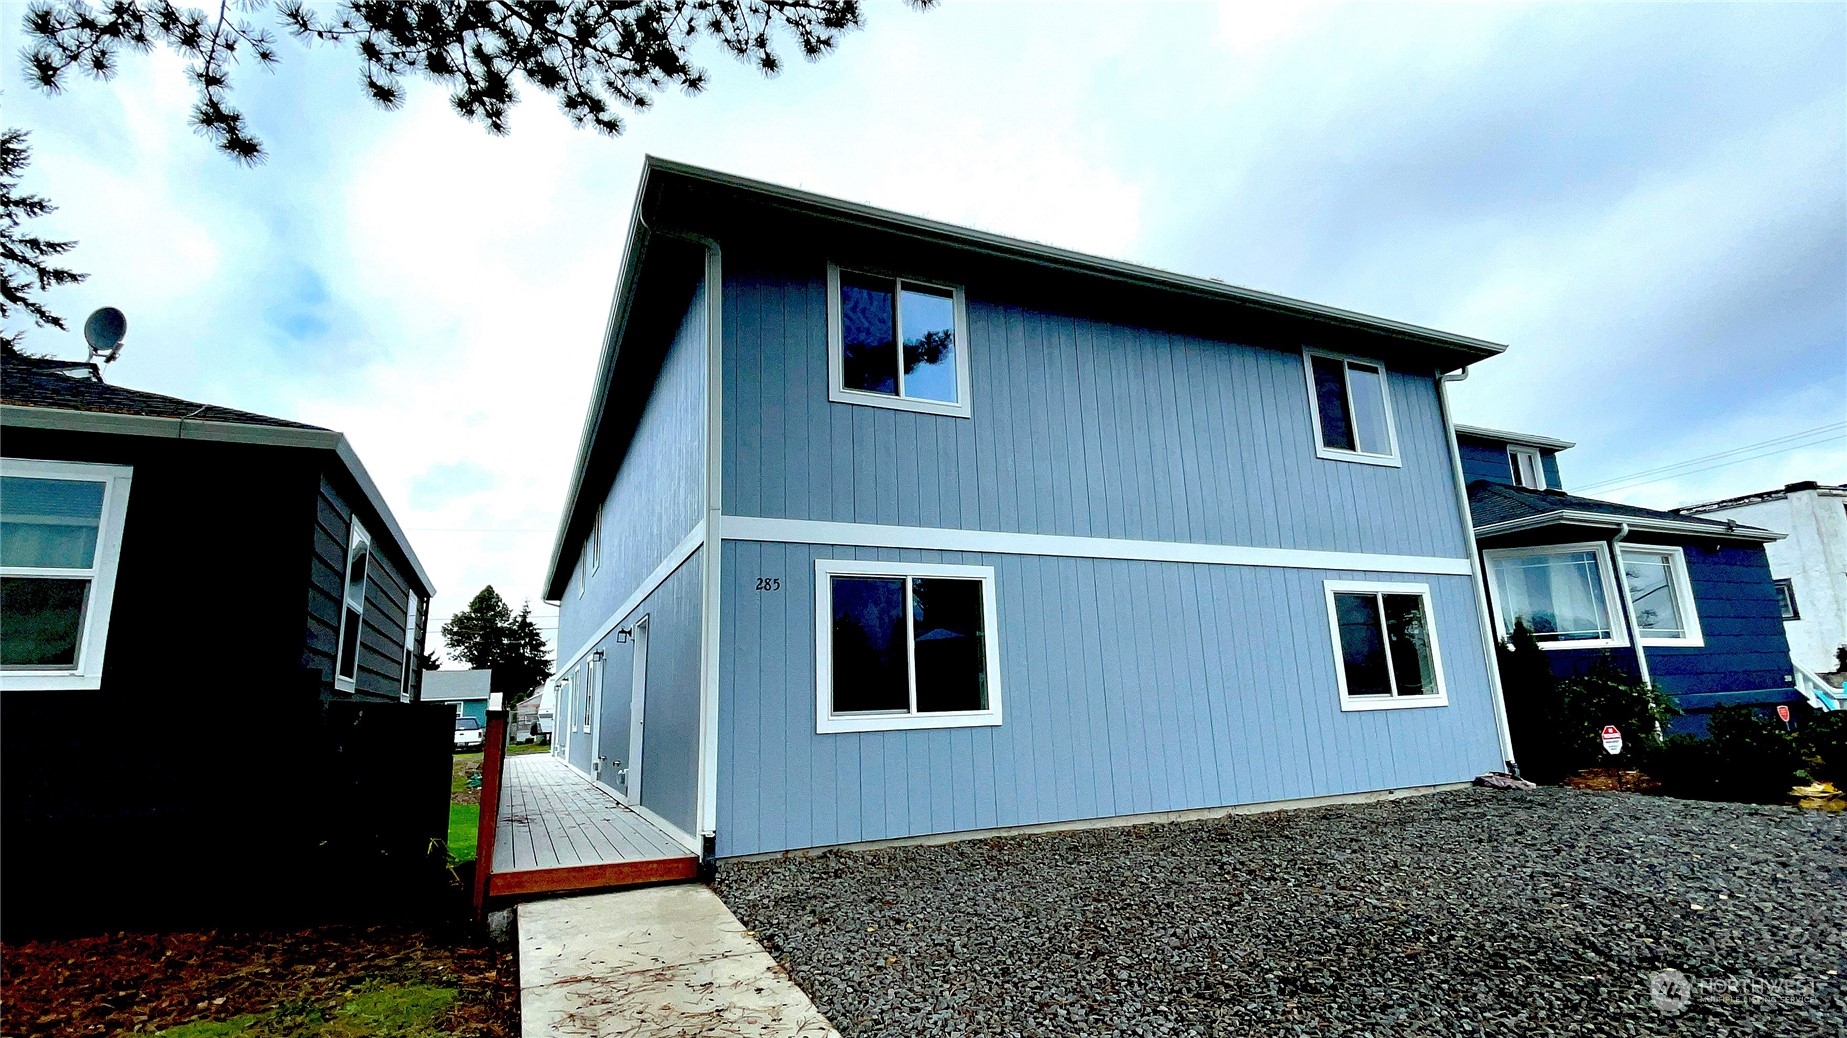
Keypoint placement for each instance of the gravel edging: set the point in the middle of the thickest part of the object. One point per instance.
(1472, 912)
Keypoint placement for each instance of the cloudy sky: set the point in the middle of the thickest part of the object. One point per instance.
(1648, 202)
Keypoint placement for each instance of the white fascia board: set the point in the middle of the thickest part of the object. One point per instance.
(1643, 525)
(1523, 439)
(56, 418)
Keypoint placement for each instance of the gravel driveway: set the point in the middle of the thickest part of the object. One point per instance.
(1463, 913)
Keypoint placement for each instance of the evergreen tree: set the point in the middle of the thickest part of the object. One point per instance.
(28, 266)
(489, 636)
(595, 56)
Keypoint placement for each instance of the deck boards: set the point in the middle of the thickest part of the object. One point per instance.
(559, 831)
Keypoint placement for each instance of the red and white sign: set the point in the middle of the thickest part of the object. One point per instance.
(1612, 740)
(1782, 713)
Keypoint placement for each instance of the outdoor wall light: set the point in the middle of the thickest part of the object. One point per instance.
(623, 634)
(598, 656)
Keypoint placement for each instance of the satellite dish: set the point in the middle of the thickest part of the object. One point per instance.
(104, 331)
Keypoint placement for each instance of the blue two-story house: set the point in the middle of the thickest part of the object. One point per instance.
(1686, 603)
(882, 527)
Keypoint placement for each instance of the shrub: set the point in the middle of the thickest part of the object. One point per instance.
(1687, 766)
(1757, 760)
(1607, 696)
(1532, 702)
(1822, 743)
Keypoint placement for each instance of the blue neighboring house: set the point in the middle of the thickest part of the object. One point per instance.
(465, 690)
(881, 527)
(1685, 602)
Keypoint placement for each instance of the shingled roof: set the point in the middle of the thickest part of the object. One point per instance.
(1499, 508)
(75, 386)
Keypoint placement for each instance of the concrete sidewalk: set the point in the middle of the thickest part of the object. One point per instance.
(660, 962)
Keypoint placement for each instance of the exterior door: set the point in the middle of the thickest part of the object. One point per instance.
(638, 696)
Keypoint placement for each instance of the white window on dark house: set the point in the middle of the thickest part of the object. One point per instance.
(60, 542)
(894, 342)
(1352, 408)
(1786, 599)
(1561, 593)
(1527, 470)
(353, 607)
(1661, 596)
(1385, 645)
(904, 646)
(413, 622)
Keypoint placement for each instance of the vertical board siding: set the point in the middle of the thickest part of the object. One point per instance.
(1127, 687)
(658, 493)
(1080, 427)
(670, 713)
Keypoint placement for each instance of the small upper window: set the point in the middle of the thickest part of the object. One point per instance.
(904, 646)
(413, 623)
(60, 541)
(1352, 409)
(1386, 645)
(1786, 599)
(353, 607)
(1527, 471)
(596, 541)
(1661, 595)
(894, 342)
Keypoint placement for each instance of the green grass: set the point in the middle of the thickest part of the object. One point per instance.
(527, 747)
(464, 826)
(373, 1011)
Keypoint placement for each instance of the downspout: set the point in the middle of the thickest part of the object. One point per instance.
(706, 799)
(1488, 640)
(1635, 630)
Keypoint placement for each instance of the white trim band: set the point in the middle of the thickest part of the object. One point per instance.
(869, 535)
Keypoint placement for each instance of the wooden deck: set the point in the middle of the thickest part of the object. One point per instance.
(558, 831)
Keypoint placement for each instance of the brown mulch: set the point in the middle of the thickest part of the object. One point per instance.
(1612, 780)
(124, 983)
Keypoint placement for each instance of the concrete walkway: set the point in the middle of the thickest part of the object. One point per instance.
(660, 962)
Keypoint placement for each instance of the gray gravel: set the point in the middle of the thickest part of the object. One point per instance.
(1473, 912)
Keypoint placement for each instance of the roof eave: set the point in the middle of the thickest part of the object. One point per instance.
(1468, 348)
(57, 418)
(1524, 439)
(1567, 517)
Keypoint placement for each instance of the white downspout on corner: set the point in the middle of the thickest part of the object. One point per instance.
(712, 550)
(1488, 639)
(1629, 621)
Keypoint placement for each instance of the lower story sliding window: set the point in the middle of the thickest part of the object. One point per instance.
(904, 645)
(1385, 645)
(60, 540)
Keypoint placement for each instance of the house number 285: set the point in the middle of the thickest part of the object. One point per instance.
(769, 583)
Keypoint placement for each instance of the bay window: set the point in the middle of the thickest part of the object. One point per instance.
(1562, 593)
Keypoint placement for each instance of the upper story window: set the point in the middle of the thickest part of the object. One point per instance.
(1562, 593)
(1352, 408)
(1526, 468)
(413, 623)
(1661, 595)
(904, 645)
(898, 343)
(1786, 599)
(1385, 644)
(60, 542)
(595, 544)
(353, 607)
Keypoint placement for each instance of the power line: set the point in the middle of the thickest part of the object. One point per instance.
(1720, 464)
(1665, 471)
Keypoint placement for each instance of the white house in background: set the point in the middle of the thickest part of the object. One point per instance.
(1810, 565)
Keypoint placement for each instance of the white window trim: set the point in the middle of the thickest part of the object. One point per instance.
(1327, 453)
(1614, 594)
(836, 364)
(1393, 701)
(1514, 454)
(1788, 587)
(356, 536)
(88, 672)
(829, 723)
(596, 541)
(1682, 588)
(412, 625)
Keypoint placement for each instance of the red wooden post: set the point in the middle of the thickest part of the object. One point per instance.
(493, 759)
